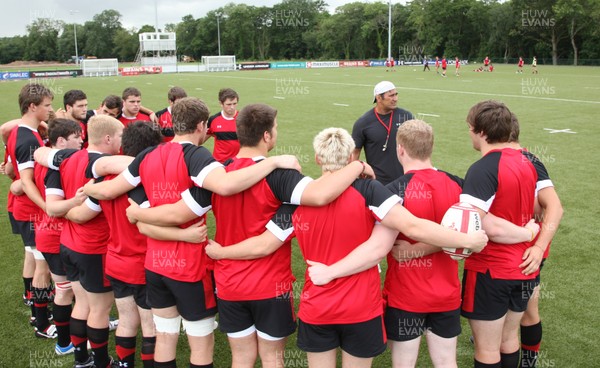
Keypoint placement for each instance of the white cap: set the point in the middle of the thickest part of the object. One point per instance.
(382, 87)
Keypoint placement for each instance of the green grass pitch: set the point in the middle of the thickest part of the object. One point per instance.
(557, 109)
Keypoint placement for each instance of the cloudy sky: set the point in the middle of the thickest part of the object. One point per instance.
(16, 15)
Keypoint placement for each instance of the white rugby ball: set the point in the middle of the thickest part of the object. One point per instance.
(464, 218)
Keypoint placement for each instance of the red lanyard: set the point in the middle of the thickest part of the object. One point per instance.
(388, 128)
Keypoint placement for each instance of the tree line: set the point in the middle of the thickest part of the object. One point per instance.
(304, 29)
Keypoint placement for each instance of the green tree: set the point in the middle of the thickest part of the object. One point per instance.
(576, 15)
(42, 39)
(12, 49)
(100, 34)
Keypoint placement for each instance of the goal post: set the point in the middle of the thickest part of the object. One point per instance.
(100, 67)
(222, 63)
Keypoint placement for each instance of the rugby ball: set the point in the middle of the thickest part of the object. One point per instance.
(464, 218)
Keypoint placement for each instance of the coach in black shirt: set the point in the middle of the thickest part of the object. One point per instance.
(376, 132)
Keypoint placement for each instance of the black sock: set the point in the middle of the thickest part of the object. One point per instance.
(27, 283)
(531, 338)
(99, 341)
(125, 347)
(477, 364)
(148, 344)
(79, 338)
(510, 360)
(171, 364)
(62, 317)
(40, 305)
(201, 366)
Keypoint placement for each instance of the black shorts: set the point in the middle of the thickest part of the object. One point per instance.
(401, 325)
(274, 316)
(364, 339)
(123, 290)
(13, 223)
(55, 263)
(26, 230)
(88, 269)
(488, 299)
(194, 300)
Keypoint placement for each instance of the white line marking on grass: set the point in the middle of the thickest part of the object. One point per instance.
(591, 87)
(148, 83)
(423, 114)
(279, 97)
(339, 104)
(198, 89)
(552, 131)
(519, 96)
(468, 81)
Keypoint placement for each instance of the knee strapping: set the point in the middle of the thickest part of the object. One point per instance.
(167, 325)
(204, 327)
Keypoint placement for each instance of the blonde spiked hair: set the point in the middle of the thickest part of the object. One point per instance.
(333, 147)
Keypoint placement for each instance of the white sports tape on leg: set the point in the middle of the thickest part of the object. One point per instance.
(167, 325)
(204, 327)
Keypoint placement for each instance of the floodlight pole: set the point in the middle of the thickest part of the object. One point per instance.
(390, 30)
(218, 14)
(75, 36)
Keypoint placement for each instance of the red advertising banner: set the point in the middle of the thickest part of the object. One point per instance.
(353, 63)
(138, 70)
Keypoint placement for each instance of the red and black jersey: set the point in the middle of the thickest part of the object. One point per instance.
(22, 142)
(486, 61)
(329, 233)
(165, 120)
(127, 248)
(520, 63)
(430, 283)
(244, 215)
(126, 120)
(167, 171)
(444, 63)
(225, 133)
(503, 183)
(47, 228)
(72, 170)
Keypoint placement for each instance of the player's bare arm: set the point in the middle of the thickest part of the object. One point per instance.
(114, 165)
(251, 248)
(228, 183)
(196, 233)
(16, 188)
(399, 218)
(165, 215)
(325, 189)
(58, 206)
(7, 127)
(108, 189)
(365, 256)
(551, 217)
(502, 231)
(30, 189)
(81, 214)
(403, 250)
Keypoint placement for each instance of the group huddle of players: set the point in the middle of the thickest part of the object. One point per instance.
(111, 204)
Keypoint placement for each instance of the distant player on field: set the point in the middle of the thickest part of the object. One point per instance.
(164, 116)
(222, 127)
